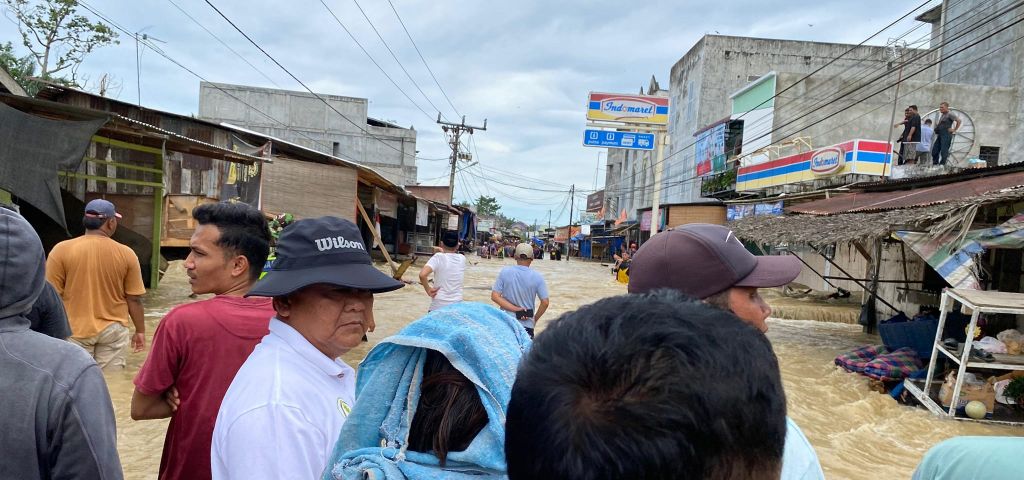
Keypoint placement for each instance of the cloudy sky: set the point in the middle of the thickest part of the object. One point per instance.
(526, 66)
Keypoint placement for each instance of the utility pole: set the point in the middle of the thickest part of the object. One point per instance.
(568, 240)
(896, 53)
(454, 132)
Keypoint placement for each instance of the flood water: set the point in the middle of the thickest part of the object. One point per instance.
(858, 433)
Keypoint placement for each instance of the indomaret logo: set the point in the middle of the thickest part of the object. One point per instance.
(627, 108)
(827, 161)
(329, 243)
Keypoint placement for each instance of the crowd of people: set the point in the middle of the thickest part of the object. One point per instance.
(674, 379)
(921, 141)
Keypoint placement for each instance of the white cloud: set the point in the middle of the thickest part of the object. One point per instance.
(526, 66)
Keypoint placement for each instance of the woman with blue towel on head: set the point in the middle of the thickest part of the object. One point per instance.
(431, 400)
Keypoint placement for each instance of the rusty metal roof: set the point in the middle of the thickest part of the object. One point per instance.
(863, 202)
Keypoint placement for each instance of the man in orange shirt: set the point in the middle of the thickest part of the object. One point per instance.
(100, 282)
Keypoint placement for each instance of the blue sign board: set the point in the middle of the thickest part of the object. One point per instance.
(613, 139)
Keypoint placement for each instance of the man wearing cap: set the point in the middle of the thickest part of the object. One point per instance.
(518, 287)
(708, 262)
(285, 407)
(448, 268)
(100, 282)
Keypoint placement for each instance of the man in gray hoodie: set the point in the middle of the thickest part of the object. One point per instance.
(58, 421)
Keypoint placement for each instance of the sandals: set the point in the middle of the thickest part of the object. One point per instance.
(977, 354)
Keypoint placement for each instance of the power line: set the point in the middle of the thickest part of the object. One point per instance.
(399, 62)
(190, 17)
(819, 107)
(190, 71)
(424, 60)
(290, 74)
(1018, 19)
(360, 45)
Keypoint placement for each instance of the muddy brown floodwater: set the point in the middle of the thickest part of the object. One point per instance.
(858, 434)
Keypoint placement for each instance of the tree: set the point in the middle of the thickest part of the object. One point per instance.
(21, 68)
(57, 37)
(487, 206)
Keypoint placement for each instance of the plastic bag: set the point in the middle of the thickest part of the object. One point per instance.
(990, 345)
(1013, 340)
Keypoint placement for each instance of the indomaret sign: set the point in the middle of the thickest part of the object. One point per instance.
(614, 107)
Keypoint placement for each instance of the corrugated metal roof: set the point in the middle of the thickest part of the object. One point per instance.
(879, 201)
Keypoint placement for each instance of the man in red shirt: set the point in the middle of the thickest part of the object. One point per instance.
(198, 347)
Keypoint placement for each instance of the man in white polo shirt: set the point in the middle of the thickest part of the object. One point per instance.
(284, 409)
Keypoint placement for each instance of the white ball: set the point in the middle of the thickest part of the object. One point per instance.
(976, 409)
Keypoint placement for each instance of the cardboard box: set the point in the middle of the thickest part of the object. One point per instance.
(984, 393)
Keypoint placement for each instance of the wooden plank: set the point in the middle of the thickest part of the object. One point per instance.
(126, 145)
(380, 243)
(111, 179)
(128, 166)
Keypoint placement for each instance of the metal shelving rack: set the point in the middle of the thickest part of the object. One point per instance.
(978, 302)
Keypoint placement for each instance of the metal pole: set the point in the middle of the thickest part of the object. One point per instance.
(661, 139)
(572, 197)
(158, 210)
(861, 285)
(895, 99)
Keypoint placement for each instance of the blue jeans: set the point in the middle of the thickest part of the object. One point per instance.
(940, 147)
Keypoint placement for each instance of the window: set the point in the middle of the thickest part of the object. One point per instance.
(990, 155)
(336, 149)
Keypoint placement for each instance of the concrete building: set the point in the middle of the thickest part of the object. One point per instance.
(629, 174)
(301, 118)
(704, 81)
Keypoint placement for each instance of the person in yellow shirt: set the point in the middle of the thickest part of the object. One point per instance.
(100, 281)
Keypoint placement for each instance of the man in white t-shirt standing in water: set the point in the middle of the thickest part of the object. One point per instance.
(448, 268)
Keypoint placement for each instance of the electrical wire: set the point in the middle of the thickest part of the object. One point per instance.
(190, 71)
(975, 26)
(399, 62)
(257, 70)
(439, 87)
(1020, 19)
(300, 82)
(360, 45)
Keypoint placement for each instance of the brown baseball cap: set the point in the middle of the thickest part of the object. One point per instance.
(701, 260)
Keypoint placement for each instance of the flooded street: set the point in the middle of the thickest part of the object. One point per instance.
(858, 434)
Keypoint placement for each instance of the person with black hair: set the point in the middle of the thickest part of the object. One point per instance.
(198, 347)
(100, 282)
(709, 263)
(448, 268)
(652, 386)
(431, 400)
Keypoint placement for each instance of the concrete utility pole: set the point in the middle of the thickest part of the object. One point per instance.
(454, 132)
(661, 140)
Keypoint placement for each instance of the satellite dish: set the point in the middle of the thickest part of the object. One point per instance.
(963, 141)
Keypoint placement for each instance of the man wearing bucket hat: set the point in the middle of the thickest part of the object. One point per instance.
(709, 263)
(284, 409)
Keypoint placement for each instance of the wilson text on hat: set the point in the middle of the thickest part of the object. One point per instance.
(329, 243)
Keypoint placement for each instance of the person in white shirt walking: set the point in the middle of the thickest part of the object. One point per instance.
(448, 268)
(284, 409)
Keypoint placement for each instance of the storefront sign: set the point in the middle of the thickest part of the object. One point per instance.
(613, 107)
(595, 201)
(736, 212)
(860, 157)
(828, 161)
